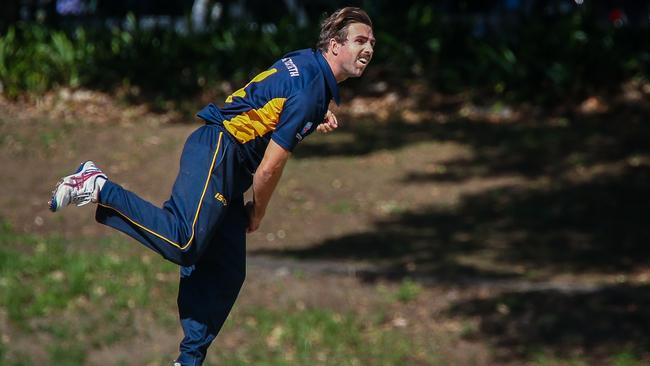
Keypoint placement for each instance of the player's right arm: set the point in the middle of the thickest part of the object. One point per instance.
(265, 180)
(296, 120)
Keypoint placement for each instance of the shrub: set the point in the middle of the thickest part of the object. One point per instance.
(543, 59)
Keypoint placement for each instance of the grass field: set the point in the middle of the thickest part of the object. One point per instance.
(81, 301)
(444, 235)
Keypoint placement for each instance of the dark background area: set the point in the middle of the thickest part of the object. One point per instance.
(544, 52)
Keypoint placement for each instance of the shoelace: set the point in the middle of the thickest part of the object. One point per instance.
(83, 195)
(78, 182)
(82, 198)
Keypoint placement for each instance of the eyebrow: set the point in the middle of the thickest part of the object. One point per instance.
(372, 40)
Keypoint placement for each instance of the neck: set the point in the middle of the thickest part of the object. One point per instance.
(339, 75)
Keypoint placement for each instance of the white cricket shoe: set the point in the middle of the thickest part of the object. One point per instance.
(79, 188)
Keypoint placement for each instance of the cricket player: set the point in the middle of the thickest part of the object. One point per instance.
(244, 142)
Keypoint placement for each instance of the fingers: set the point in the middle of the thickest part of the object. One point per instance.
(333, 120)
(330, 123)
(325, 128)
(330, 119)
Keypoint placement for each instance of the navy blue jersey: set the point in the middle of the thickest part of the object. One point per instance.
(284, 103)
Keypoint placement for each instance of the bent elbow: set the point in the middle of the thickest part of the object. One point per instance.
(268, 173)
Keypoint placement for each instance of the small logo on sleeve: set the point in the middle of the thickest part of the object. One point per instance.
(306, 128)
(219, 197)
(304, 131)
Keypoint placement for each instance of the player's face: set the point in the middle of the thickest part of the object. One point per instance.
(356, 52)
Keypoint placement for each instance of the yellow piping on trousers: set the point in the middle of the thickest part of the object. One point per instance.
(198, 209)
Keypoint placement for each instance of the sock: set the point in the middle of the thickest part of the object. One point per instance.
(99, 184)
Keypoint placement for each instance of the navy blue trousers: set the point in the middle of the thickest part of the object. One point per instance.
(202, 228)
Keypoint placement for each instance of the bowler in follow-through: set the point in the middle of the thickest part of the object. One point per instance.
(245, 142)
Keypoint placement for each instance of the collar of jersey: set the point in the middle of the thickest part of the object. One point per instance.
(329, 77)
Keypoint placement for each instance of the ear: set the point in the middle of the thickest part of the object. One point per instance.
(334, 46)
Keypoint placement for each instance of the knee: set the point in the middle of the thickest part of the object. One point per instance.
(184, 258)
(189, 258)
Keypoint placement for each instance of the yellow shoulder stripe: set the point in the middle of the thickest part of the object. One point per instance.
(242, 92)
(256, 122)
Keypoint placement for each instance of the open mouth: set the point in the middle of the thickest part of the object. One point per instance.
(363, 60)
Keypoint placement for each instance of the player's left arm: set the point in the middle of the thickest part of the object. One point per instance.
(265, 180)
(329, 124)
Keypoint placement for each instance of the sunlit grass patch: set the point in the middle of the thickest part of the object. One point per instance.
(313, 337)
(78, 300)
(544, 358)
(407, 291)
(40, 275)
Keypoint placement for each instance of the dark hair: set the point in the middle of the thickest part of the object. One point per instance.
(336, 25)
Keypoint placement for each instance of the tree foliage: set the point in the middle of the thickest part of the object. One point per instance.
(536, 56)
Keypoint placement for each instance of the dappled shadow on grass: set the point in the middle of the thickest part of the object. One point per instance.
(409, 246)
(600, 225)
(534, 145)
(364, 137)
(572, 223)
(580, 208)
(600, 323)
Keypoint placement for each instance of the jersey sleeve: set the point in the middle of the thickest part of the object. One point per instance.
(295, 121)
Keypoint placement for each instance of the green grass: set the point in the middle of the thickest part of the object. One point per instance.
(67, 355)
(83, 300)
(80, 300)
(626, 358)
(70, 303)
(408, 290)
(41, 275)
(545, 358)
(313, 337)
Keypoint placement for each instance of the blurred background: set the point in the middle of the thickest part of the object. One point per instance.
(483, 203)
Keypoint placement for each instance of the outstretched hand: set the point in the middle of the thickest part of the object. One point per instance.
(330, 123)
